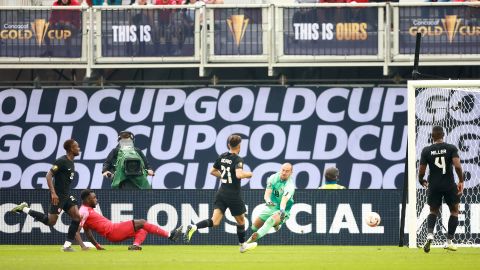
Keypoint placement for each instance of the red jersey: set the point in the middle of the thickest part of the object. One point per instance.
(95, 221)
(63, 16)
(168, 2)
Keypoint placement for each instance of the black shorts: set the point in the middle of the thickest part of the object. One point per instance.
(234, 202)
(64, 203)
(434, 197)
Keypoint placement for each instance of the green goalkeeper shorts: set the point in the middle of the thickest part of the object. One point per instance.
(269, 211)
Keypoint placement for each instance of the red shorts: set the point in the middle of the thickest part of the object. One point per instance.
(121, 231)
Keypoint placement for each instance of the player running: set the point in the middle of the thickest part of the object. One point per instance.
(229, 169)
(62, 171)
(439, 157)
(278, 199)
(116, 232)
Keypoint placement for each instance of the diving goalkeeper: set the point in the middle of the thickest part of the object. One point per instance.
(278, 199)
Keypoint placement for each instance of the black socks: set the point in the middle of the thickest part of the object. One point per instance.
(204, 224)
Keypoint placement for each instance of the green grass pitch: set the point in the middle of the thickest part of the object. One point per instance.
(228, 258)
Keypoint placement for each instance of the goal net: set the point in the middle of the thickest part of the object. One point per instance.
(454, 105)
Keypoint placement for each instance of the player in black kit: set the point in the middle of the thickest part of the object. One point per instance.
(440, 157)
(63, 171)
(229, 169)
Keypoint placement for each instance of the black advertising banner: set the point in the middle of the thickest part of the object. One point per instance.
(41, 33)
(148, 32)
(330, 31)
(445, 29)
(238, 31)
(182, 131)
(318, 217)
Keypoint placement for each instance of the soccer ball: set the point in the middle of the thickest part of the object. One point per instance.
(373, 219)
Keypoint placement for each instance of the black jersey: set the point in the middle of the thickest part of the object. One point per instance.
(439, 159)
(227, 163)
(63, 171)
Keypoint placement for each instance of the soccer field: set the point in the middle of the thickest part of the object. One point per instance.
(229, 258)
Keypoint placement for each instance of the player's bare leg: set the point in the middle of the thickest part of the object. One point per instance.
(140, 235)
(272, 221)
(207, 223)
(47, 219)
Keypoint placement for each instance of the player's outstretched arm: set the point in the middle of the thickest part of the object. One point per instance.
(285, 199)
(92, 239)
(267, 195)
(79, 239)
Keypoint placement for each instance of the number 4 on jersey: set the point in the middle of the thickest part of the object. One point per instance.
(440, 162)
(226, 170)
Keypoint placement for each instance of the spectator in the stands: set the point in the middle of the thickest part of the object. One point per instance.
(103, 2)
(141, 17)
(63, 20)
(343, 1)
(141, 3)
(170, 36)
(169, 2)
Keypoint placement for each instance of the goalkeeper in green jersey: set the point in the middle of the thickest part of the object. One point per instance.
(279, 200)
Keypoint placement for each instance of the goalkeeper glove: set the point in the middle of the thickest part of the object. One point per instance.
(270, 203)
(282, 214)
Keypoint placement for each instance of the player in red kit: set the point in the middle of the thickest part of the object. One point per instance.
(116, 232)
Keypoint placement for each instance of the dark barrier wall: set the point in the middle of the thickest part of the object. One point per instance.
(328, 217)
(362, 131)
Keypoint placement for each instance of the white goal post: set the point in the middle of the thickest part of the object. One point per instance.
(454, 105)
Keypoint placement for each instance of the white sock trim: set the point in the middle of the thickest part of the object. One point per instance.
(26, 210)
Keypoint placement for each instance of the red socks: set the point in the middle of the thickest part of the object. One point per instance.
(150, 228)
(140, 236)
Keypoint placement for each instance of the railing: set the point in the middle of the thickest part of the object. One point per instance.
(267, 35)
(451, 32)
(43, 36)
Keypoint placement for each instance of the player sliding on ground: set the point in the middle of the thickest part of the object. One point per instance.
(440, 157)
(116, 232)
(279, 200)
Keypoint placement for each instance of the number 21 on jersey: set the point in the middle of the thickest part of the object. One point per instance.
(226, 170)
(440, 163)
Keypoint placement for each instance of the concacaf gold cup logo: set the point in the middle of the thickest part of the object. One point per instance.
(39, 29)
(237, 24)
(450, 25)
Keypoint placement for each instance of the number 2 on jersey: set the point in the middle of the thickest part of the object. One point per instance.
(226, 170)
(440, 162)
